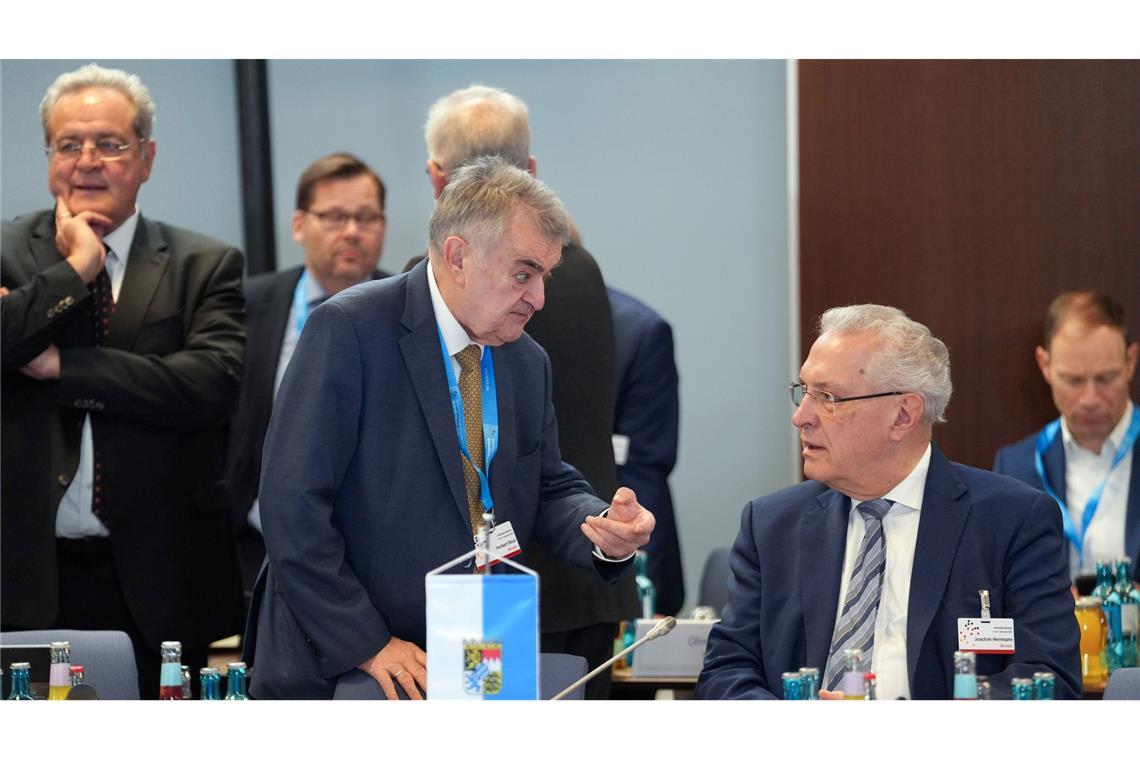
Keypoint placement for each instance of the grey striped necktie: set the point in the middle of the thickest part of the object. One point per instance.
(856, 626)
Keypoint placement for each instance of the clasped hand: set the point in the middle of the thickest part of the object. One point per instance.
(625, 528)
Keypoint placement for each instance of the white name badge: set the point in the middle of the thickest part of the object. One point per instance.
(986, 635)
(503, 544)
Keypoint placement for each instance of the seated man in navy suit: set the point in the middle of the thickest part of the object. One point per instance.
(1088, 359)
(412, 407)
(888, 544)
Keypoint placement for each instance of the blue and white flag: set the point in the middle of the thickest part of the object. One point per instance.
(482, 636)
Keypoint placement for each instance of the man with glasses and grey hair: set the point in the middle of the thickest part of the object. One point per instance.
(122, 350)
(888, 546)
(375, 476)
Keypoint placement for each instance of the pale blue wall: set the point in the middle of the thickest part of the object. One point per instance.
(674, 170)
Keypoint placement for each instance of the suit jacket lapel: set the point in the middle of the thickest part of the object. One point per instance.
(1132, 515)
(945, 507)
(145, 267)
(1054, 461)
(503, 466)
(42, 243)
(424, 360)
(273, 312)
(823, 542)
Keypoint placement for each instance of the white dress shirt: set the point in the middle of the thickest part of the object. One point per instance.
(1083, 472)
(900, 534)
(455, 338)
(74, 519)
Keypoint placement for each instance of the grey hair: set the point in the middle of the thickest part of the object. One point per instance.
(94, 75)
(910, 359)
(478, 202)
(477, 121)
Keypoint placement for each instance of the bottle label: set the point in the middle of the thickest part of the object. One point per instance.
(1129, 617)
(60, 674)
(965, 686)
(853, 684)
(170, 675)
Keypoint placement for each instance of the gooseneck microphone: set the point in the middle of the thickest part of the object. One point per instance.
(663, 627)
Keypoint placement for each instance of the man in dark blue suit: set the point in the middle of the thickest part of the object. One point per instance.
(903, 537)
(1088, 359)
(364, 487)
(646, 422)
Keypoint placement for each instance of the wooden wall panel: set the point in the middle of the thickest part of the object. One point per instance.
(969, 193)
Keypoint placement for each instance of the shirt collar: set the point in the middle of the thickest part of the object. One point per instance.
(1112, 443)
(314, 293)
(911, 489)
(119, 240)
(454, 336)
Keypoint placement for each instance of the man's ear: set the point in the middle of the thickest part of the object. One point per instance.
(908, 417)
(437, 176)
(1042, 356)
(298, 219)
(455, 254)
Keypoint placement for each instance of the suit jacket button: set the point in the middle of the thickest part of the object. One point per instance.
(64, 480)
(99, 405)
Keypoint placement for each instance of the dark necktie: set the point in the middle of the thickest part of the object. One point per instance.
(856, 626)
(103, 305)
(471, 392)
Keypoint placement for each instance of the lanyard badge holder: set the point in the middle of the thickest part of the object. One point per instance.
(985, 634)
(492, 541)
(1045, 439)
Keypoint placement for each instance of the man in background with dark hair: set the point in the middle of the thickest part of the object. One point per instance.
(339, 221)
(1086, 458)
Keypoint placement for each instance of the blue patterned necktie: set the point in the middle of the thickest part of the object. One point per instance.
(856, 626)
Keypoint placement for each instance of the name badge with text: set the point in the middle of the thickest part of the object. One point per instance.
(503, 544)
(986, 635)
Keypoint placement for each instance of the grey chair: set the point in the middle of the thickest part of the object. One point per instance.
(714, 580)
(1124, 683)
(557, 671)
(107, 657)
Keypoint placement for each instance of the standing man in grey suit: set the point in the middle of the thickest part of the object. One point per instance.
(339, 220)
(1086, 458)
(580, 614)
(122, 351)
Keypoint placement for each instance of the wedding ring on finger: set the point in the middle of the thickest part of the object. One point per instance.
(398, 673)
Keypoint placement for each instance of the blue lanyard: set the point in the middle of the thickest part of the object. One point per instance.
(490, 419)
(1045, 439)
(301, 301)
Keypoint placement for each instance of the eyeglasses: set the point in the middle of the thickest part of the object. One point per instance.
(335, 221)
(105, 149)
(829, 400)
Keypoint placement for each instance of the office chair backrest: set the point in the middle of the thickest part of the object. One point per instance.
(107, 657)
